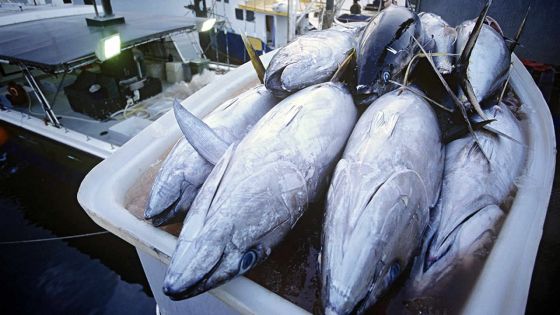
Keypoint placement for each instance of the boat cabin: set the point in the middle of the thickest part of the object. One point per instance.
(94, 87)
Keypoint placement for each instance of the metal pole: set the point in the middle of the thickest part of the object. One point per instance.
(95, 8)
(107, 8)
(40, 96)
(292, 15)
(328, 15)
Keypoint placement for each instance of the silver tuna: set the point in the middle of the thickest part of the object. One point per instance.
(473, 184)
(443, 39)
(184, 170)
(489, 62)
(378, 201)
(260, 188)
(467, 218)
(310, 59)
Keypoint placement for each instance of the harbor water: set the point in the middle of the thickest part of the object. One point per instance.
(98, 274)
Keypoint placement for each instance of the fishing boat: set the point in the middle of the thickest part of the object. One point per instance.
(266, 23)
(111, 195)
(90, 79)
(271, 24)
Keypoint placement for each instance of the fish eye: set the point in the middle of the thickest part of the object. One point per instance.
(386, 76)
(247, 261)
(392, 273)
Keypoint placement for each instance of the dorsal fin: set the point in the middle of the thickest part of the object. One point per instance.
(453, 96)
(255, 60)
(469, 46)
(520, 30)
(203, 139)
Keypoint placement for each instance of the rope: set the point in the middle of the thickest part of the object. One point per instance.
(53, 238)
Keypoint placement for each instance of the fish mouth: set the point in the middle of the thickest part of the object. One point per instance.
(179, 293)
(150, 212)
(162, 217)
(178, 290)
(175, 212)
(273, 83)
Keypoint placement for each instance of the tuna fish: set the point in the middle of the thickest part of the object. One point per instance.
(378, 202)
(472, 183)
(443, 37)
(489, 62)
(385, 49)
(467, 218)
(260, 188)
(184, 170)
(310, 59)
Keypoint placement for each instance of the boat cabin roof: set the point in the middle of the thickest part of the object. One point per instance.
(63, 43)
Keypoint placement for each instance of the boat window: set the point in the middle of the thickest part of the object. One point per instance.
(249, 16)
(226, 1)
(219, 0)
(239, 14)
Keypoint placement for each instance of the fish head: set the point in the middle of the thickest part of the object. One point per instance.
(385, 48)
(310, 59)
(464, 252)
(232, 226)
(369, 235)
(439, 37)
(209, 261)
(489, 63)
(181, 173)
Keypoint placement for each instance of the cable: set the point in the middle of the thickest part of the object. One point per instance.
(38, 240)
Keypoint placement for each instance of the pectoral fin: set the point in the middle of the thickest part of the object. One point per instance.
(203, 139)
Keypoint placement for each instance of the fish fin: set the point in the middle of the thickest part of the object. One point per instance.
(480, 147)
(381, 123)
(469, 221)
(515, 41)
(199, 212)
(457, 132)
(203, 139)
(350, 58)
(498, 132)
(505, 84)
(448, 89)
(418, 93)
(469, 46)
(471, 96)
(255, 60)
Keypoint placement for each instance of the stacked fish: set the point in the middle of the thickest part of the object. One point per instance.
(397, 194)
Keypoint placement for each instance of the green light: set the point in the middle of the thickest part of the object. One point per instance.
(108, 47)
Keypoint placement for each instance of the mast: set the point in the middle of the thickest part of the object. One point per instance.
(328, 14)
(292, 16)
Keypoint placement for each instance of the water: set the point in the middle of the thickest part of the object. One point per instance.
(93, 275)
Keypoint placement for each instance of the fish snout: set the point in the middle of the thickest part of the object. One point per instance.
(174, 290)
